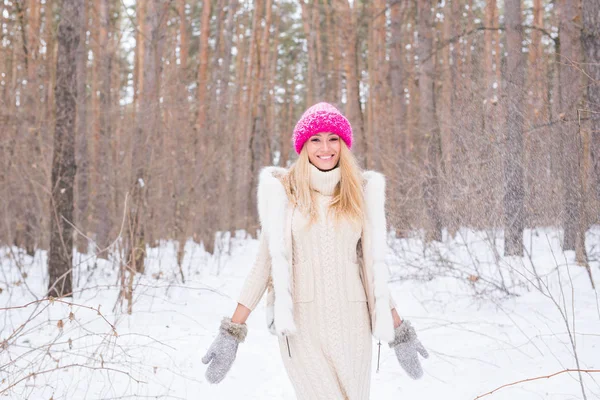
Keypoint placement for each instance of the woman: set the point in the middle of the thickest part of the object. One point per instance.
(321, 258)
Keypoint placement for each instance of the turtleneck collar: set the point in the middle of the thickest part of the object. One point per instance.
(324, 181)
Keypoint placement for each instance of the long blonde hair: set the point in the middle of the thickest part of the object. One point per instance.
(348, 200)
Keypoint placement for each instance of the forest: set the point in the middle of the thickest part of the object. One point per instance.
(131, 125)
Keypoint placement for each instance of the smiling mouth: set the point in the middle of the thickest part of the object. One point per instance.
(329, 157)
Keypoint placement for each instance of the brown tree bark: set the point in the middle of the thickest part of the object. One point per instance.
(203, 70)
(335, 67)
(203, 139)
(590, 38)
(445, 103)
(82, 155)
(570, 81)
(376, 107)
(147, 120)
(239, 145)
(102, 153)
(138, 70)
(309, 11)
(248, 89)
(514, 212)
(60, 262)
(347, 22)
(536, 157)
(428, 127)
(260, 154)
(30, 124)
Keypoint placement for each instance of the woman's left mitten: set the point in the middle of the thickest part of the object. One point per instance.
(407, 347)
(221, 353)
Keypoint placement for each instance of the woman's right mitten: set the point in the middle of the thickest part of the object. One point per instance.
(221, 353)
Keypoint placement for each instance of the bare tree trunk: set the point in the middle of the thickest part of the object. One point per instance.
(590, 39)
(239, 144)
(146, 125)
(203, 72)
(570, 97)
(535, 148)
(335, 55)
(224, 109)
(397, 75)
(376, 103)
(428, 121)
(138, 71)
(259, 139)
(242, 149)
(30, 124)
(102, 199)
(204, 141)
(513, 152)
(309, 10)
(284, 139)
(82, 156)
(60, 259)
(347, 19)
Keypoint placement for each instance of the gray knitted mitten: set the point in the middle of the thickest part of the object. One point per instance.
(406, 345)
(223, 349)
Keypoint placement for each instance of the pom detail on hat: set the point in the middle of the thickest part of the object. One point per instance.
(322, 117)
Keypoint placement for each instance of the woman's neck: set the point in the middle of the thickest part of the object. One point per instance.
(324, 182)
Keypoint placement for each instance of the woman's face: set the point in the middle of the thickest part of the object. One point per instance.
(324, 150)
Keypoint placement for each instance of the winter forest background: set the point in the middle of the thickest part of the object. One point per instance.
(132, 134)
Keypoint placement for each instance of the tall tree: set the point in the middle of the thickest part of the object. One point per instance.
(397, 74)
(60, 259)
(30, 121)
(570, 84)
(259, 141)
(536, 154)
(376, 104)
(309, 12)
(82, 155)
(428, 127)
(102, 198)
(513, 151)
(590, 38)
(347, 20)
(147, 120)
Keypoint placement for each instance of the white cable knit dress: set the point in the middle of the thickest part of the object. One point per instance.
(331, 351)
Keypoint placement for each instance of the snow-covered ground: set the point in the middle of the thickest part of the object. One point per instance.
(487, 321)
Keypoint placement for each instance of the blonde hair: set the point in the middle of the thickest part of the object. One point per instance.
(348, 200)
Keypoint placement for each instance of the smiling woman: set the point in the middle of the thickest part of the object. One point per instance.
(322, 261)
(324, 150)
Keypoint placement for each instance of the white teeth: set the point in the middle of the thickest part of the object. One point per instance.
(325, 158)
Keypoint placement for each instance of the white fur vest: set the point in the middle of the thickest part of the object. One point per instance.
(275, 214)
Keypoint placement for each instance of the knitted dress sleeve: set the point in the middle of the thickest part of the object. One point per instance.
(257, 280)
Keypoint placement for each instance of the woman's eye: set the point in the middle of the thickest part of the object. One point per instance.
(314, 140)
(334, 139)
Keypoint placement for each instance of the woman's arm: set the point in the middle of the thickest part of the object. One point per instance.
(395, 316)
(255, 284)
(397, 319)
(240, 314)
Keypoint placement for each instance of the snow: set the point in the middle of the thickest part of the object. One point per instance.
(483, 329)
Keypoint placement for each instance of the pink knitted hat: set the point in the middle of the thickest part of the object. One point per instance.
(322, 117)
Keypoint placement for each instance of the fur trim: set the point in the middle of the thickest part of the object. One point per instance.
(375, 207)
(272, 209)
(269, 310)
(238, 331)
(403, 333)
